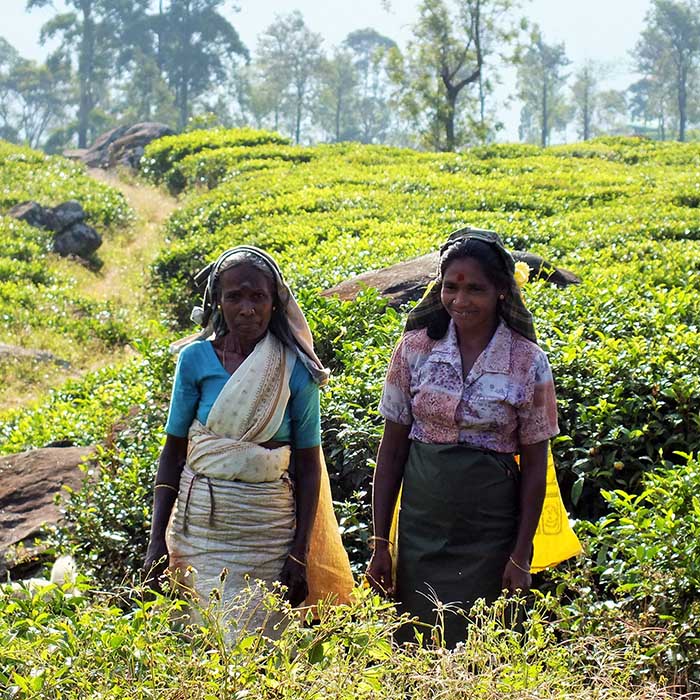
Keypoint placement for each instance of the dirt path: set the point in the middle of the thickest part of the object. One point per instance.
(128, 255)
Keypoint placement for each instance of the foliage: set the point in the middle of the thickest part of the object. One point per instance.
(622, 213)
(75, 646)
(443, 77)
(540, 88)
(195, 42)
(162, 155)
(289, 57)
(643, 566)
(669, 48)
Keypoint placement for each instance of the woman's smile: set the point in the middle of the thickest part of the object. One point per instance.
(468, 295)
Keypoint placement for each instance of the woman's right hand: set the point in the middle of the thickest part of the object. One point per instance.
(379, 571)
(155, 563)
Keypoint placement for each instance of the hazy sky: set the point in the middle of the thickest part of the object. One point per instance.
(603, 30)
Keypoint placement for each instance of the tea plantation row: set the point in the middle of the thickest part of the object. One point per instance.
(624, 345)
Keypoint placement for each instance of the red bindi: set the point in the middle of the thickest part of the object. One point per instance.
(460, 277)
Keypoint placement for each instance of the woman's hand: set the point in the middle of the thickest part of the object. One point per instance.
(293, 576)
(515, 579)
(379, 571)
(155, 563)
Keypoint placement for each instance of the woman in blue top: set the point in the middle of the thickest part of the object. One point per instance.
(239, 477)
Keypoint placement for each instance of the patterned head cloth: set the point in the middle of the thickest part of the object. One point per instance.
(296, 333)
(512, 309)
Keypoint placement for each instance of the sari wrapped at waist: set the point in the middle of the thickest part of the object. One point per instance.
(219, 457)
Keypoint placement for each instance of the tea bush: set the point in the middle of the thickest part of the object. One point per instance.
(623, 344)
(41, 306)
(161, 155)
(643, 565)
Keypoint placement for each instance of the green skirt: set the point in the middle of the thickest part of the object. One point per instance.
(457, 526)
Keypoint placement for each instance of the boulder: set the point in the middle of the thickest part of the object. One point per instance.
(128, 149)
(38, 355)
(33, 214)
(66, 215)
(96, 155)
(123, 145)
(29, 482)
(79, 239)
(406, 281)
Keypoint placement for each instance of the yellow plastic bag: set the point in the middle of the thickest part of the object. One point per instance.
(554, 540)
(328, 571)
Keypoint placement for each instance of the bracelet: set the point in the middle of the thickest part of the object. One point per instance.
(298, 561)
(166, 486)
(376, 538)
(517, 566)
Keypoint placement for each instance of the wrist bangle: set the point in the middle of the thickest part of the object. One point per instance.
(376, 538)
(518, 566)
(166, 486)
(298, 561)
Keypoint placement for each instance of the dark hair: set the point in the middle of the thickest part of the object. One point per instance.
(279, 325)
(492, 265)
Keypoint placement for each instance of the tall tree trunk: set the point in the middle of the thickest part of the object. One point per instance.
(184, 68)
(86, 72)
(338, 112)
(159, 35)
(682, 100)
(450, 141)
(297, 117)
(586, 115)
(545, 115)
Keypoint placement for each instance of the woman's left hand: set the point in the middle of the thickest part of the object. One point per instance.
(515, 579)
(293, 576)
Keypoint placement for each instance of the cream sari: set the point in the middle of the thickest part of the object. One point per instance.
(235, 511)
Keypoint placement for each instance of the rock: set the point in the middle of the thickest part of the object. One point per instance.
(33, 214)
(66, 215)
(28, 484)
(123, 145)
(80, 239)
(96, 155)
(72, 235)
(38, 355)
(128, 149)
(406, 281)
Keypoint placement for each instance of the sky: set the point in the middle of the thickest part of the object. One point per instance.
(600, 30)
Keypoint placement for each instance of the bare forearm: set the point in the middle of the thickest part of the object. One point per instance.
(308, 480)
(532, 491)
(167, 482)
(391, 461)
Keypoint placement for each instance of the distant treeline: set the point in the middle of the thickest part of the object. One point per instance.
(183, 63)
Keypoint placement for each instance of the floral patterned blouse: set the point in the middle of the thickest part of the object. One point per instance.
(507, 400)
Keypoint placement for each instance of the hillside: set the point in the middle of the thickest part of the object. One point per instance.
(624, 346)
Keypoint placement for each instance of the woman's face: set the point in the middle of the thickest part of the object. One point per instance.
(246, 302)
(470, 297)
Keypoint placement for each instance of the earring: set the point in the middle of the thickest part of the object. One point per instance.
(502, 297)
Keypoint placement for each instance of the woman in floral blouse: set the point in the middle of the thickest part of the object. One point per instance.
(467, 389)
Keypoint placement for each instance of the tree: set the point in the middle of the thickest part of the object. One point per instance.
(647, 101)
(585, 99)
(195, 43)
(369, 51)
(594, 110)
(670, 45)
(289, 56)
(32, 95)
(88, 35)
(443, 61)
(337, 101)
(540, 83)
